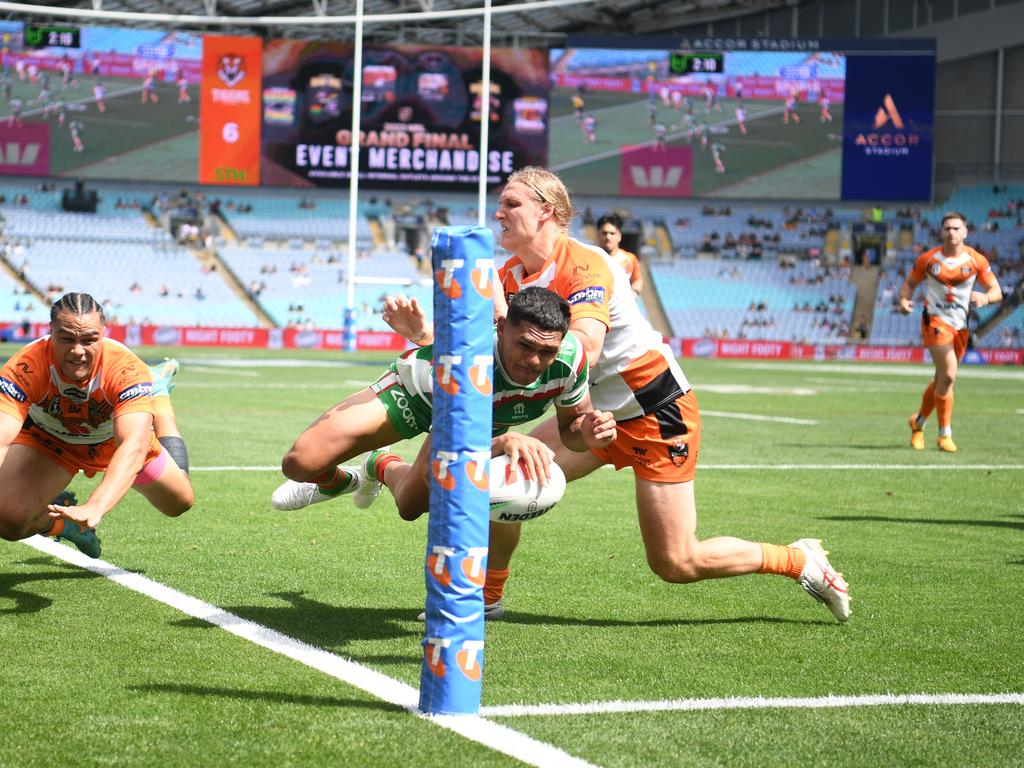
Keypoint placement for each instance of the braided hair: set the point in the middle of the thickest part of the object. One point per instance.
(76, 304)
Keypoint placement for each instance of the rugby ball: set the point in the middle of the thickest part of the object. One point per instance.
(516, 499)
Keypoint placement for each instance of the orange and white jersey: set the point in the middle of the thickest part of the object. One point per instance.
(636, 372)
(948, 282)
(629, 263)
(75, 412)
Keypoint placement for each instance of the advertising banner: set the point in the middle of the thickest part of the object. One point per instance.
(420, 116)
(25, 149)
(229, 141)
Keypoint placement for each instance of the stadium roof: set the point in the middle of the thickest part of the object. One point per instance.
(515, 22)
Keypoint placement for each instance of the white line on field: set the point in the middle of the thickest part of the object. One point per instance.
(222, 371)
(493, 735)
(753, 702)
(873, 369)
(758, 417)
(333, 385)
(758, 467)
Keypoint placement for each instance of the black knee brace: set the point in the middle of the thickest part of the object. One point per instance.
(176, 447)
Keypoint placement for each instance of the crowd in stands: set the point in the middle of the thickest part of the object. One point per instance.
(301, 263)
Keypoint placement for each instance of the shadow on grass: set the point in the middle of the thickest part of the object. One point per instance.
(328, 626)
(29, 602)
(1013, 526)
(276, 697)
(332, 627)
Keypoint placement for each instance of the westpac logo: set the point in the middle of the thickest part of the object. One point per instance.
(445, 277)
(657, 176)
(440, 468)
(17, 154)
(444, 373)
(889, 136)
(467, 658)
(483, 278)
(478, 374)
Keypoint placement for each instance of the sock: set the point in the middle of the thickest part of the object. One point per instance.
(335, 481)
(784, 561)
(944, 408)
(381, 463)
(176, 447)
(927, 404)
(494, 586)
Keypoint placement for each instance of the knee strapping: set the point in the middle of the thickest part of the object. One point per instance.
(175, 446)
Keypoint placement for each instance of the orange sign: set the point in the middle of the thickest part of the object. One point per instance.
(229, 113)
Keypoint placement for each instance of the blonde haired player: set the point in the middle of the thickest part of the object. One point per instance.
(949, 273)
(635, 376)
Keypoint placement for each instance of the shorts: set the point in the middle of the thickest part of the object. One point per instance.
(90, 459)
(936, 332)
(408, 414)
(661, 446)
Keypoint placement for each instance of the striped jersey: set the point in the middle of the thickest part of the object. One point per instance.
(637, 372)
(79, 413)
(948, 283)
(563, 383)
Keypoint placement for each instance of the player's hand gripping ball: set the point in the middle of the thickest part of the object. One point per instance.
(515, 498)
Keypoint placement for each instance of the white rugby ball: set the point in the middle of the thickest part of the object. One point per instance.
(516, 499)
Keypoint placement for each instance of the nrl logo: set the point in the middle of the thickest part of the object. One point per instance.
(232, 70)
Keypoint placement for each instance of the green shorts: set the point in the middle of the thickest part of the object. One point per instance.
(409, 414)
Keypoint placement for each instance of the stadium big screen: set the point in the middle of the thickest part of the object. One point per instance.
(738, 118)
(420, 119)
(99, 102)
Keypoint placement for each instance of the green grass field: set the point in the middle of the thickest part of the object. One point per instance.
(130, 140)
(792, 161)
(95, 673)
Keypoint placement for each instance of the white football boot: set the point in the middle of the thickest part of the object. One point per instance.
(822, 581)
(291, 495)
(369, 486)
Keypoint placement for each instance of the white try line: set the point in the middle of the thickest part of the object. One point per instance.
(754, 702)
(741, 467)
(498, 737)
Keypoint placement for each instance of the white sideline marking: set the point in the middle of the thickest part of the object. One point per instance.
(758, 417)
(498, 737)
(877, 369)
(224, 371)
(753, 702)
(759, 467)
(333, 385)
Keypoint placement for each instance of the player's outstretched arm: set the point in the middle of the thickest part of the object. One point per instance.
(132, 434)
(531, 453)
(406, 317)
(582, 428)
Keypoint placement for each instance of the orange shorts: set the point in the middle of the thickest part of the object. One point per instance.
(88, 458)
(935, 332)
(661, 446)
